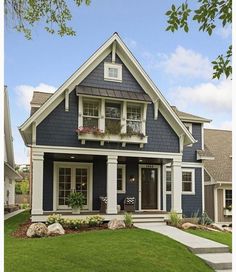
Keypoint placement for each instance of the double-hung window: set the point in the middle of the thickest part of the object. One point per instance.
(90, 113)
(188, 181)
(168, 181)
(113, 115)
(134, 118)
(121, 178)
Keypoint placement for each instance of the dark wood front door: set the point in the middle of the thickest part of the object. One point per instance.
(149, 188)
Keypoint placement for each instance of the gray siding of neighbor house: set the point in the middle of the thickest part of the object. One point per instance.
(189, 154)
(59, 129)
(191, 203)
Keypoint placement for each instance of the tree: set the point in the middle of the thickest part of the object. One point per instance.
(208, 15)
(54, 14)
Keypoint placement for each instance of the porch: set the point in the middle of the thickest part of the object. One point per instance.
(113, 174)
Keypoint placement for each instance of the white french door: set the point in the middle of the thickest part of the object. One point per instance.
(70, 177)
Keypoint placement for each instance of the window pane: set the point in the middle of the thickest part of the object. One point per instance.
(90, 122)
(91, 108)
(187, 187)
(134, 112)
(228, 198)
(113, 72)
(187, 176)
(120, 179)
(112, 126)
(168, 186)
(113, 110)
(119, 184)
(133, 127)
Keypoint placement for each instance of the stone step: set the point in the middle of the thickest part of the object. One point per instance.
(220, 261)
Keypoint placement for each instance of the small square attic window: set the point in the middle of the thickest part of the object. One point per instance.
(112, 72)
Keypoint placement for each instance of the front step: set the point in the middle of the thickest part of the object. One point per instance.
(148, 219)
(220, 261)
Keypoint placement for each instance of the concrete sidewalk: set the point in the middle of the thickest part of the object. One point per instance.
(215, 254)
(9, 215)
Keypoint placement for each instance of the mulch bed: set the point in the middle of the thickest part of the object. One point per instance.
(21, 231)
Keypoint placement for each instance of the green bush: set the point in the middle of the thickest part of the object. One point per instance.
(55, 218)
(205, 219)
(95, 220)
(76, 200)
(24, 206)
(175, 219)
(128, 220)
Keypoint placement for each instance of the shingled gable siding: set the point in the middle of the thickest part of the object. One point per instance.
(96, 78)
(191, 203)
(189, 154)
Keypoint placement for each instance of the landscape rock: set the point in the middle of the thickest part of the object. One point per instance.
(218, 227)
(188, 225)
(116, 224)
(37, 230)
(228, 229)
(56, 228)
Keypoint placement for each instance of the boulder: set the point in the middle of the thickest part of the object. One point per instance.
(188, 225)
(228, 229)
(37, 230)
(217, 226)
(55, 228)
(116, 224)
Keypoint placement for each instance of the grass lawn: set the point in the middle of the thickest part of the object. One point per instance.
(220, 237)
(104, 250)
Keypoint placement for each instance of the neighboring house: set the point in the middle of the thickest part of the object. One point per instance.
(10, 174)
(108, 131)
(218, 175)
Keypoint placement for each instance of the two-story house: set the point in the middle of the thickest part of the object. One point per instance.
(108, 131)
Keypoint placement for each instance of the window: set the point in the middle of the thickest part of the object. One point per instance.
(121, 177)
(134, 118)
(113, 114)
(112, 71)
(228, 198)
(168, 181)
(90, 113)
(188, 181)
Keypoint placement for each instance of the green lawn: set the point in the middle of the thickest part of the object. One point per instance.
(105, 250)
(220, 237)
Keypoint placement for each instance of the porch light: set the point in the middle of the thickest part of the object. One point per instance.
(72, 157)
(131, 178)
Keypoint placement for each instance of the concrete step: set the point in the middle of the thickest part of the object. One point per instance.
(205, 250)
(224, 270)
(150, 221)
(220, 261)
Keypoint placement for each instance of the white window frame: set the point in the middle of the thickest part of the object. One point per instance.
(87, 100)
(189, 126)
(107, 66)
(123, 167)
(135, 120)
(192, 170)
(193, 181)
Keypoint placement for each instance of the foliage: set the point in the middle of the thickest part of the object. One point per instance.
(75, 223)
(24, 206)
(175, 219)
(205, 219)
(88, 130)
(76, 200)
(53, 14)
(113, 127)
(209, 14)
(128, 220)
(22, 187)
(139, 250)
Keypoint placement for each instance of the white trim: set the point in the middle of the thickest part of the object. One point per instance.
(73, 166)
(216, 204)
(164, 186)
(202, 127)
(133, 65)
(114, 52)
(203, 190)
(67, 100)
(193, 181)
(106, 152)
(107, 66)
(189, 164)
(224, 198)
(156, 108)
(123, 167)
(150, 166)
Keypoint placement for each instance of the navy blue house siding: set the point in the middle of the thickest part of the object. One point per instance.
(190, 203)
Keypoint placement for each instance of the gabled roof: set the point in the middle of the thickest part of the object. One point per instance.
(137, 71)
(187, 117)
(219, 143)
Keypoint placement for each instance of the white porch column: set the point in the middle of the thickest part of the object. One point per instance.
(111, 184)
(176, 187)
(37, 183)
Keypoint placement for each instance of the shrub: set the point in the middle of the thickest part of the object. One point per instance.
(73, 223)
(76, 200)
(128, 220)
(175, 219)
(24, 206)
(205, 219)
(55, 218)
(95, 220)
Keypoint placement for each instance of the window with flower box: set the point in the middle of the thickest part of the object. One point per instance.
(134, 119)
(113, 117)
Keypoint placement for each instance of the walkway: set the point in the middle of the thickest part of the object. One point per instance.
(214, 254)
(9, 215)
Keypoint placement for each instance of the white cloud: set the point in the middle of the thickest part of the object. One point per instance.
(212, 97)
(224, 32)
(25, 92)
(186, 62)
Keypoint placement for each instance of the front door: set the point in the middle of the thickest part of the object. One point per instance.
(149, 188)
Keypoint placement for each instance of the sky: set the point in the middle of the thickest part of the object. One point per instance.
(179, 63)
